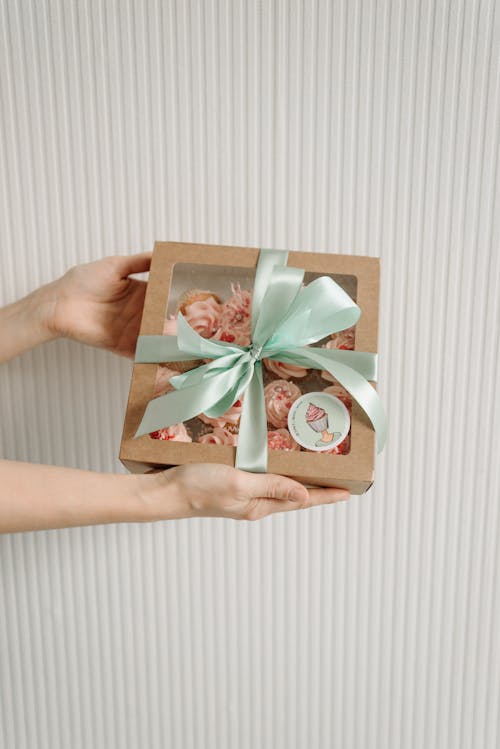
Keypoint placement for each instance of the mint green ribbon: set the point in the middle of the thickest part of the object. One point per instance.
(286, 318)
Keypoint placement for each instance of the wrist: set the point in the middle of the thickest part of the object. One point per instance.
(36, 313)
(41, 306)
(27, 323)
(160, 497)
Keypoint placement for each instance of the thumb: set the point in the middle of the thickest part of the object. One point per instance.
(128, 264)
(272, 486)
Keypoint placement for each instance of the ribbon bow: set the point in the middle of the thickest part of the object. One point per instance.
(286, 318)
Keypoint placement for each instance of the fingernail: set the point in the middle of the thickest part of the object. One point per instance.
(344, 495)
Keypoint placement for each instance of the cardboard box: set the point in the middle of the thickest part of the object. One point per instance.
(178, 266)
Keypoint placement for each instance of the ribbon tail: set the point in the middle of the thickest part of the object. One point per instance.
(183, 404)
(311, 356)
(232, 394)
(251, 454)
(172, 408)
(366, 395)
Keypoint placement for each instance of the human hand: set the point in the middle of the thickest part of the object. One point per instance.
(39, 497)
(213, 490)
(98, 304)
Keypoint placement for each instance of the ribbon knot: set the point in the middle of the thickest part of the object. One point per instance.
(286, 318)
(255, 352)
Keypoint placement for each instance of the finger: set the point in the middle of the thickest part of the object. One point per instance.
(316, 497)
(327, 496)
(272, 486)
(128, 264)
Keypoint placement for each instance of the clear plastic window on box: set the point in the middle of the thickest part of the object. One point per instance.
(216, 302)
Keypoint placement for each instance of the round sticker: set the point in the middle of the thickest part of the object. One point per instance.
(318, 421)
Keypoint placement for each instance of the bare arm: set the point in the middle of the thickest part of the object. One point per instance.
(39, 497)
(36, 497)
(25, 323)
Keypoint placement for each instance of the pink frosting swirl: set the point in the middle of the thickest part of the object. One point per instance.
(162, 382)
(314, 413)
(232, 416)
(175, 433)
(195, 295)
(281, 439)
(204, 315)
(235, 324)
(279, 396)
(284, 370)
(219, 436)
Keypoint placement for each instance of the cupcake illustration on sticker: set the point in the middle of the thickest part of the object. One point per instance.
(318, 421)
(317, 418)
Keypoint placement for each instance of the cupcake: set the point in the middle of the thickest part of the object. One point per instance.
(341, 393)
(203, 315)
(195, 295)
(235, 323)
(279, 396)
(176, 433)
(230, 418)
(344, 339)
(201, 309)
(283, 370)
(219, 436)
(162, 382)
(281, 439)
(343, 342)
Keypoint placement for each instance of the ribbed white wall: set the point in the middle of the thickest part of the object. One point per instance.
(357, 127)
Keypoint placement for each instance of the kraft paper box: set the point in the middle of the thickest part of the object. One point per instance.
(177, 268)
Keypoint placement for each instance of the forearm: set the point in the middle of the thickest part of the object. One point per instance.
(26, 323)
(38, 497)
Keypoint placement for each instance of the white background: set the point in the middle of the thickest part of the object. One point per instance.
(363, 127)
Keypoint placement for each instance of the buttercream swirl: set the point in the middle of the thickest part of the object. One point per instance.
(219, 436)
(232, 416)
(204, 316)
(279, 395)
(283, 370)
(235, 324)
(281, 439)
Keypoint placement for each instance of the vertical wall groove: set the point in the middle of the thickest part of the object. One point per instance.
(361, 128)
